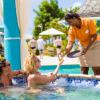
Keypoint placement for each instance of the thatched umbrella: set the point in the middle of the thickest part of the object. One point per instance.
(90, 8)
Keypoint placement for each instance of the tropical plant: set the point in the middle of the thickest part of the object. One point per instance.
(74, 10)
(47, 12)
(98, 30)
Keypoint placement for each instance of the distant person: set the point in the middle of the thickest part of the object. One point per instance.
(40, 46)
(58, 44)
(32, 45)
(84, 30)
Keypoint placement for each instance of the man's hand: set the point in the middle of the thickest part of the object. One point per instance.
(52, 76)
(92, 40)
(60, 62)
(83, 51)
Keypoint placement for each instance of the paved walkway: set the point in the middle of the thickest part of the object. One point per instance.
(47, 60)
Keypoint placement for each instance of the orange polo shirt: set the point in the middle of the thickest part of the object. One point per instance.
(83, 34)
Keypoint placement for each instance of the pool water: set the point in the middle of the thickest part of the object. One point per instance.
(70, 94)
(73, 89)
(64, 69)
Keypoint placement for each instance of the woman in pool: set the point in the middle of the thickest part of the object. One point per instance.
(35, 78)
(6, 74)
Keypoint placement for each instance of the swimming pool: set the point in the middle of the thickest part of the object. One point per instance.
(75, 88)
(64, 69)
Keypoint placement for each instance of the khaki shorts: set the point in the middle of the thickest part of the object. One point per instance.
(92, 56)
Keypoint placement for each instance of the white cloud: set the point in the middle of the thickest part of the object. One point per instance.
(76, 4)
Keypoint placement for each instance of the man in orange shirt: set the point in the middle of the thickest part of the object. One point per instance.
(84, 30)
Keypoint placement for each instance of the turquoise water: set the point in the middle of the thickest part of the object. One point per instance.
(71, 91)
(64, 69)
(70, 94)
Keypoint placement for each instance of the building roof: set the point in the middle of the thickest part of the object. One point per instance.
(90, 8)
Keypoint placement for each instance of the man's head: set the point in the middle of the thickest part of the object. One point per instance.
(72, 18)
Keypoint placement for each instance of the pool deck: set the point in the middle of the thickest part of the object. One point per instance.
(47, 60)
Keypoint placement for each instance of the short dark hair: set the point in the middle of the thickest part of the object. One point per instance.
(71, 15)
(2, 64)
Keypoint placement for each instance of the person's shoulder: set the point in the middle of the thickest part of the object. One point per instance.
(35, 76)
(88, 20)
(85, 18)
(71, 29)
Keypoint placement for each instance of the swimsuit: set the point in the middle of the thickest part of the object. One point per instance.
(1, 84)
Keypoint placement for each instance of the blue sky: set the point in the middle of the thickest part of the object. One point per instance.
(62, 4)
(35, 3)
(69, 3)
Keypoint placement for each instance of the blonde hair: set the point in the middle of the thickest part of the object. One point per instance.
(30, 49)
(29, 64)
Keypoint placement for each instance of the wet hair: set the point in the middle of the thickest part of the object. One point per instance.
(2, 64)
(1, 46)
(30, 62)
(1, 50)
(71, 15)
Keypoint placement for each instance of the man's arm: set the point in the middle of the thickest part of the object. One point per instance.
(93, 38)
(69, 47)
(92, 29)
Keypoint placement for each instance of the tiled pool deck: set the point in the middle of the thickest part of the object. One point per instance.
(47, 60)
